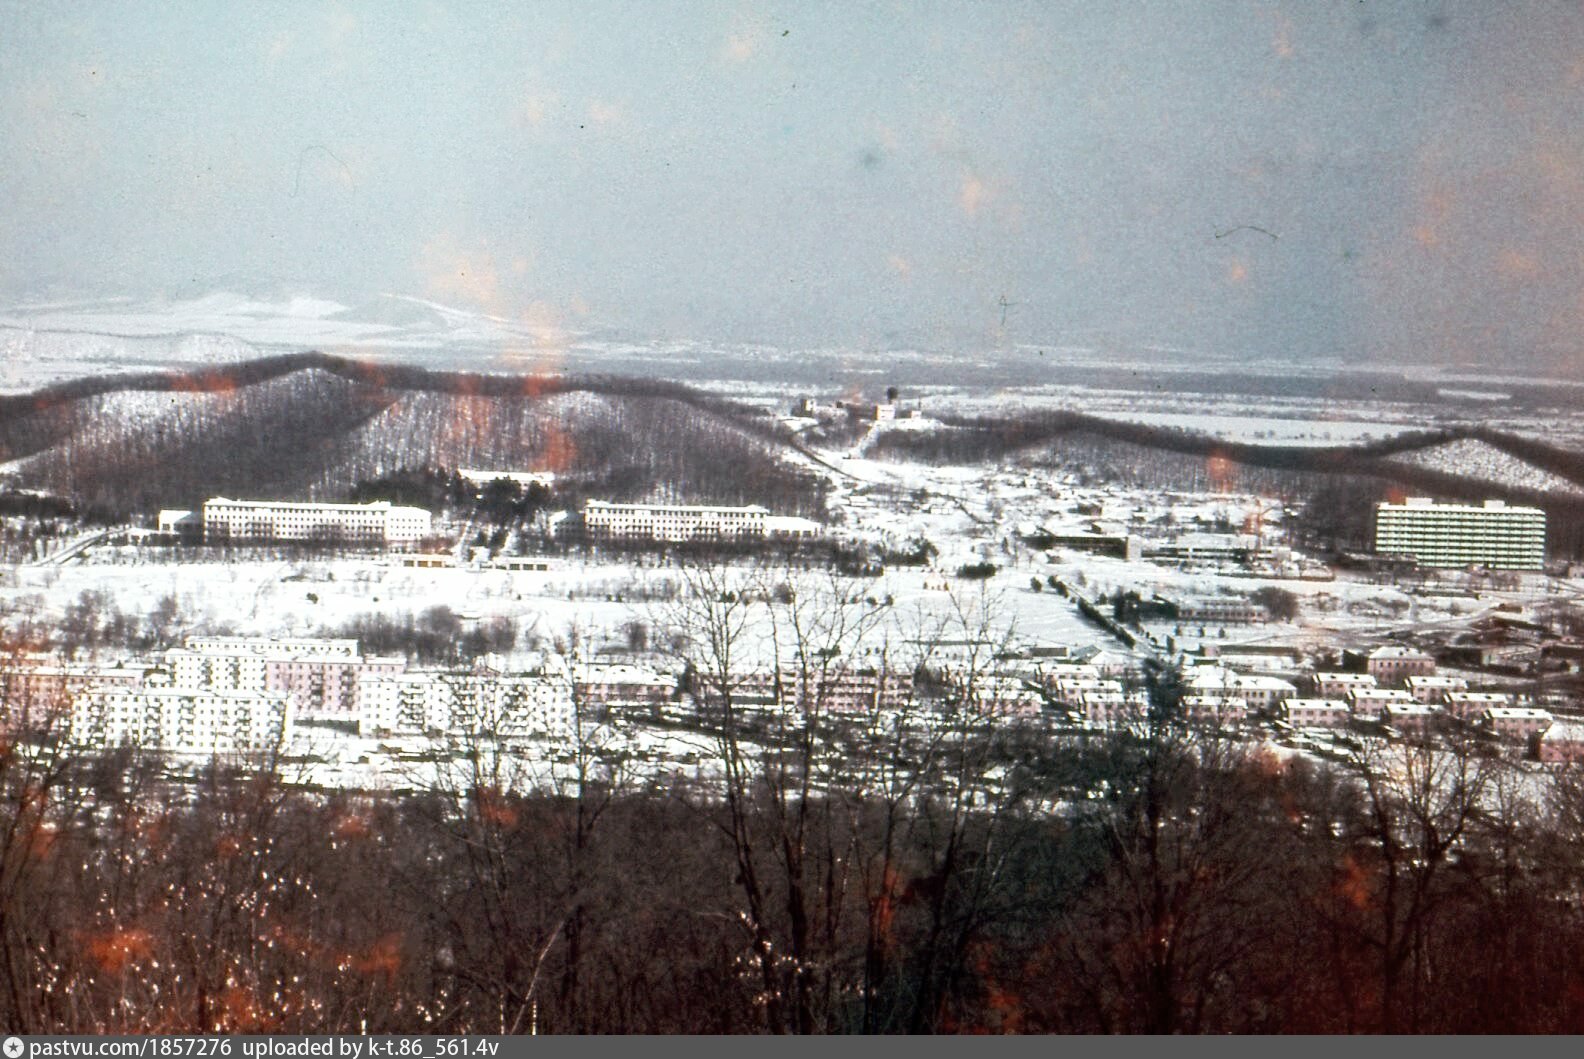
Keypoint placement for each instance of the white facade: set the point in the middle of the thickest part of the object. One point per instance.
(678, 523)
(1315, 713)
(1469, 705)
(1434, 688)
(322, 677)
(1493, 534)
(605, 684)
(1372, 702)
(485, 705)
(379, 522)
(1328, 685)
(1392, 663)
(1409, 716)
(181, 720)
(1517, 722)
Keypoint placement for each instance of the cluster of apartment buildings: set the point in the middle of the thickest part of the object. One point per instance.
(225, 695)
(1399, 687)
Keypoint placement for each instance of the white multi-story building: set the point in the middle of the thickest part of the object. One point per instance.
(1414, 717)
(36, 691)
(1394, 662)
(1517, 722)
(322, 677)
(492, 706)
(1214, 709)
(840, 689)
(181, 720)
(1256, 692)
(1372, 702)
(1331, 685)
(1315, 713)
(1492, 535)
(679, 523)
(605, 684)
(376, 523)
(1471, 705)
(1434, 688)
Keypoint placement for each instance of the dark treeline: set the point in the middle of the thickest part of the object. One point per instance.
(977, 439)
(1210, 889)
(435, 635)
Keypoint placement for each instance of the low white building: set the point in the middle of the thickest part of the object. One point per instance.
(1332, 685)
(1372, 702)
(678, 523)
(1434, 688)
(1214, 710)
(546, 479)
(1315, 713)
(1516, 722)
(1263, 693)
(1415, 717)
(1393, 662)
(1471, 705)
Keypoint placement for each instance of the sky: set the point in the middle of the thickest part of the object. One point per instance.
(1378, 182)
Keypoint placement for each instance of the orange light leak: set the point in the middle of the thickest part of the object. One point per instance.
(1353, 884)
(116, 950)
(383, 958)
(492, 808)
(350, 825)
(1222, 472)
(559, 452)
(242, 1013)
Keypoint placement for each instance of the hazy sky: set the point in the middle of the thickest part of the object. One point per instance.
(863, 174)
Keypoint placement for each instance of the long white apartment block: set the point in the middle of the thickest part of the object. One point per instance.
(489, 706)
(181, 720)
(376, 523)
(322, 677)
(676, 523)
(1454, 535)
(838, 689)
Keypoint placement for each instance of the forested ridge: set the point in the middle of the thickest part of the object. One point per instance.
(313, 426)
